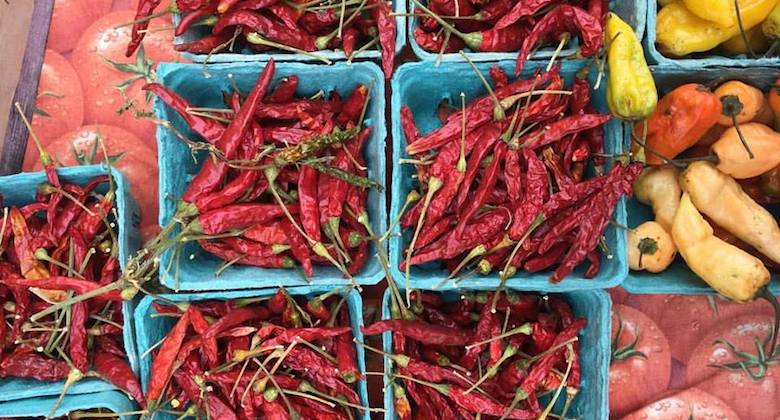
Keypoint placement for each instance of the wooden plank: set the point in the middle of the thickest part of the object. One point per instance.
(15, 138)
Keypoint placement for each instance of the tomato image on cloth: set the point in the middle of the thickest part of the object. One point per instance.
(691, 356)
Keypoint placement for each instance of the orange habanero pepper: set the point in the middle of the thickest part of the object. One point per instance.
(681, 118)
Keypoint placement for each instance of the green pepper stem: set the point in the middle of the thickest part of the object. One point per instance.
(434, 184)
(400, 359)
(505, 272)
(523, 329)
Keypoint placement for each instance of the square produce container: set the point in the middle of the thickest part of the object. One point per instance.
(20, 189)
(698, 60)
(177, 166)
(678, 278)
(195, 33)
(593, 305)
(421, 87)
(153, 329)
(113, 401)
(633, 12)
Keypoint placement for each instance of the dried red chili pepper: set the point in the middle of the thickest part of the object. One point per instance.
(422, 332)
(140, 24)
(266, 27)
(353, 106)
(535, 189)
(116, 371)
(564, 18)
(346, 355)
(433, 42)
(284, 91)
(485, 186)
(299, 247)
(237, 216)
(408, 125)
(212, 174)
(32, 365)
(590, 231)
(387, 33)
(349, 41)
(163, 363)
(77, 344)
(270, 234)
(566, 126)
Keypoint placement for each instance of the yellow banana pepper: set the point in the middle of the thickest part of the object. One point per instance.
(736, 44)
(723, 12)
(680, 32)
(719, 197)
(729, 270)
(631, 92)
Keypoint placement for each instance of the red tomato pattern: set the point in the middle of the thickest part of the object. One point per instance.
(641, 361)
(59, 107)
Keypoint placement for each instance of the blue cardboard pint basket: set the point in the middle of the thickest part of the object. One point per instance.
(112, 401)
(195, 33)
(421, 87)
(153, 329)
(18, 190)
(593, 305)
(633, 12)
(678, 278)
(177, 166)
(695, 61)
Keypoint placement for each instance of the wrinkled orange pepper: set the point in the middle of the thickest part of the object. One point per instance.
(681, 118)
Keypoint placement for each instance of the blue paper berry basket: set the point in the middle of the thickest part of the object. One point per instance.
(697, 61)
(177, 166)
(678, 278)
(633, 12)
(195, 33)
(593, 305)
(153, 329)
(19, 190)
(447, 82)
(112, 401)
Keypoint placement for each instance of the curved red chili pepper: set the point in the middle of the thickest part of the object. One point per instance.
(116, 371)
(387, 32)
(145, 9)
(564, 18)
(163, 363)
(212, 174)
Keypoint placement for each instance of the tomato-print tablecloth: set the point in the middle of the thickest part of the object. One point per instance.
(674, 357)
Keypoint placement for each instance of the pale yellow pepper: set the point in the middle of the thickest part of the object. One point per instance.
(657, 187)
(719, 197)
(680, 32)
(729, 270)
(650, 248)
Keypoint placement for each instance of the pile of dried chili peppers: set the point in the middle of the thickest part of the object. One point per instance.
(285, 180)
(455, 360)
(268, 25)
(446, 26)
(56, 255)
(502, 181)
(258, 358)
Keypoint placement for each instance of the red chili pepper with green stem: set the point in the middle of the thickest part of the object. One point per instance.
(212, 174)
(564, 19)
